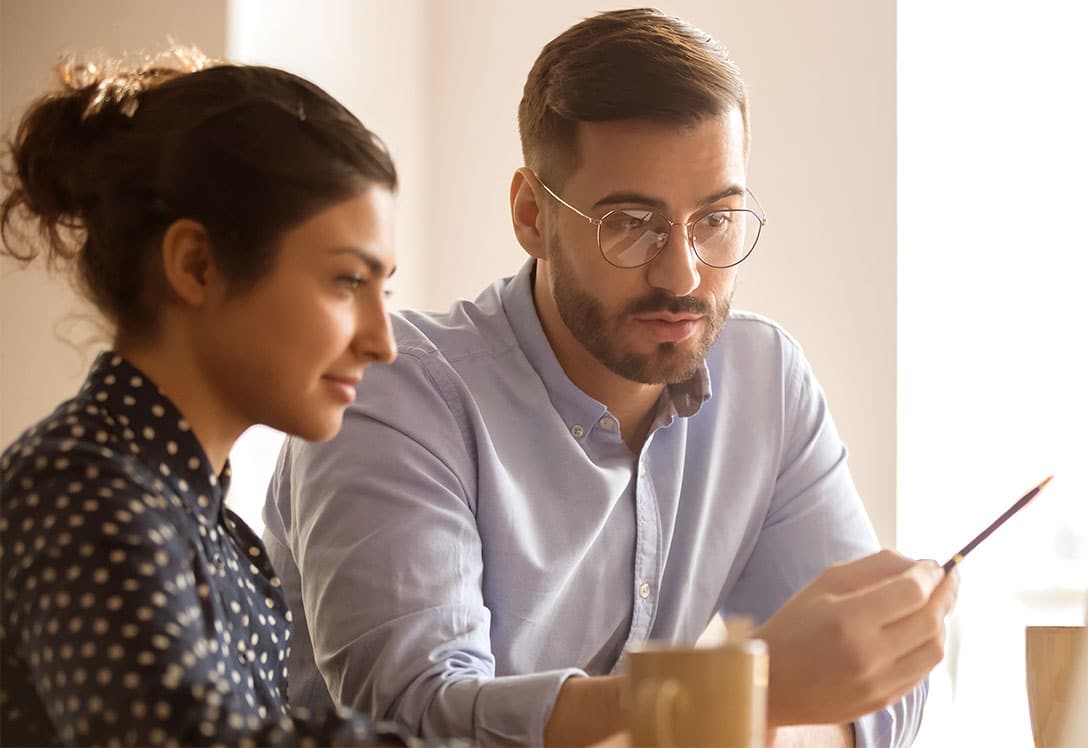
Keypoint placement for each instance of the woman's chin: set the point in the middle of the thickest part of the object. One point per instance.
(314, 429)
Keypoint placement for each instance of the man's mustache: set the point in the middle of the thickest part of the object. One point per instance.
(664, 302)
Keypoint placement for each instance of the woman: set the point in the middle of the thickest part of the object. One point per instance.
(233, 224)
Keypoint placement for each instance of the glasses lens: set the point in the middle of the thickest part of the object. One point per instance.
(725, 237)
(632, 237)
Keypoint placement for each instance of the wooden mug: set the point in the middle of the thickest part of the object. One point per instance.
(1050, 654)
(689, 696)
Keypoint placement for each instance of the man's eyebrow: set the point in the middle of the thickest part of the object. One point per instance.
(637, 198)
(376, 266)
(730, 191)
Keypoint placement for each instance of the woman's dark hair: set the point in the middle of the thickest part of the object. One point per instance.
(103, 169)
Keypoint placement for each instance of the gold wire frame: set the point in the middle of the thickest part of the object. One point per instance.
(759, 215)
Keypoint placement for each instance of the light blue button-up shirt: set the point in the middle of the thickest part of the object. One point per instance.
(478, 532)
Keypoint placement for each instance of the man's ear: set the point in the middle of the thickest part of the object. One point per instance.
(525, 212)
(188, 262)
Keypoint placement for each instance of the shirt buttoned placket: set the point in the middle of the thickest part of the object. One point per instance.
(647, 546)
(648, 561)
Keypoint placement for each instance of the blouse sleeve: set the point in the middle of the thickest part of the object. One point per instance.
(102, 603)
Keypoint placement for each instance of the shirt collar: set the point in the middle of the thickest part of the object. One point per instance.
(154, 432)
(688, 396)
(574, 406)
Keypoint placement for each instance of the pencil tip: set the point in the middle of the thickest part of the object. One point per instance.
(1049, 478)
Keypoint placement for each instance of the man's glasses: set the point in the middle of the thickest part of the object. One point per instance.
(632, 237)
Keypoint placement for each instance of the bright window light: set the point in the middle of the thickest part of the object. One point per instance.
(993, 372)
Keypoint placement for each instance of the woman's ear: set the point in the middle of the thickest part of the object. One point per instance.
(188, 262)
(526, 214)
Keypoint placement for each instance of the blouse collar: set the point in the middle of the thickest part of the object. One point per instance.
(154, 432)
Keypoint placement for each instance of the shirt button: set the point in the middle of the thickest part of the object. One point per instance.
(644, 590)
(642, 469)
(577, 431)
(607, 423)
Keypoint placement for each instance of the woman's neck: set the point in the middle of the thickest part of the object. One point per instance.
(179, 377)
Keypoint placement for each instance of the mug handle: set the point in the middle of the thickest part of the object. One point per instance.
(657, 700)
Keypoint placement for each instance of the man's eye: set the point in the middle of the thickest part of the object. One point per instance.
(718, 220)
(351, 282)
(629, 220)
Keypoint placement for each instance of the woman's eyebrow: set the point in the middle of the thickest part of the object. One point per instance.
(371, 260)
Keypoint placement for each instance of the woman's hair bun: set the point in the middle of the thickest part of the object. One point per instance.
(55, 162)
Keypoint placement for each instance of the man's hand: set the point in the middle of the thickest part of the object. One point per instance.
(811, 736)
(858, 638)
(618, 740)
(588, 710)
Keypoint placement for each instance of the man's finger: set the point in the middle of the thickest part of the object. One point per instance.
(927, 623)
(917, 664)
(898, 596)
(847, 578)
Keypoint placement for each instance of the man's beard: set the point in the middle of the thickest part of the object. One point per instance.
(584, 316)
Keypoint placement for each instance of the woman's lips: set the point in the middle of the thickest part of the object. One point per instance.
(342, 387)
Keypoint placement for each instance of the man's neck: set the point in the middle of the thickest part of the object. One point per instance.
(631, 403)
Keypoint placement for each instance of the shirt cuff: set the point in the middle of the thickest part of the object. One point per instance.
(873, 731)
(895, 726)
(512, 709)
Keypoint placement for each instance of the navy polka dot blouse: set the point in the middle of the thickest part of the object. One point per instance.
(136, 608)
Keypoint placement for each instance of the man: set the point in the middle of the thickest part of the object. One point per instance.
(597, 451)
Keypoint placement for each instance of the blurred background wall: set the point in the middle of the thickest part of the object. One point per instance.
(441, 81)
(47, 335)
(922, 168)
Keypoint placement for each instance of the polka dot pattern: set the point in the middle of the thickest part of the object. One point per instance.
(136, 608)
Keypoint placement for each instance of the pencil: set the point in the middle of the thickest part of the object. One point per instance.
(1023, 501)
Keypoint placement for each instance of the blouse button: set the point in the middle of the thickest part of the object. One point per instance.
(217, 559)
(644, 591)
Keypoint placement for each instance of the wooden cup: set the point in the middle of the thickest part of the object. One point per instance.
(1050, 654)
(687, 696)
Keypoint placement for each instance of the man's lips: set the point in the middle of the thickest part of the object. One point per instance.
(668, 317)
(668, 328)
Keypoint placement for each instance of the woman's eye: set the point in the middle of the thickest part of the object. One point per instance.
(351, 282)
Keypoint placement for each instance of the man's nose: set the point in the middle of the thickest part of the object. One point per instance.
(676, 268)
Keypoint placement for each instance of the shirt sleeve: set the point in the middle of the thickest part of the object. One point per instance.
(383, 532)
(103, 604)
(815, 519)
